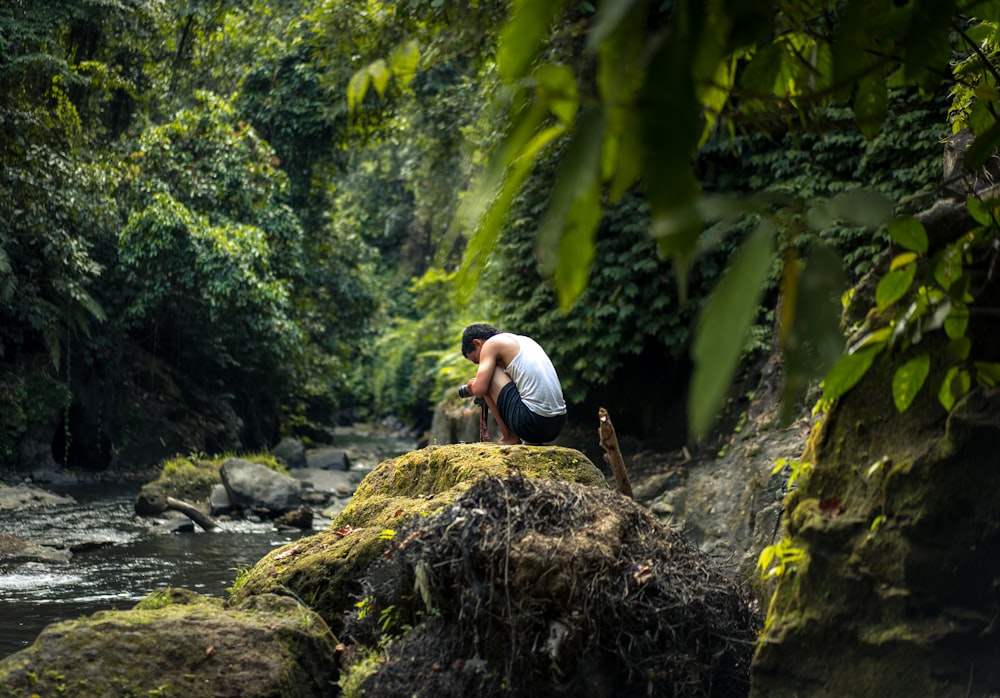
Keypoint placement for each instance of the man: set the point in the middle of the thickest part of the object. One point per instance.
(519, 383)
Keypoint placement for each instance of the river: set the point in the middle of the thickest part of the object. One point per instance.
(129, 563)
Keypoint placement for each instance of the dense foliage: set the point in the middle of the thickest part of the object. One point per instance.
(274, 198)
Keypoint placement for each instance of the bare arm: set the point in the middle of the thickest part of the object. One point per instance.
(480, 385)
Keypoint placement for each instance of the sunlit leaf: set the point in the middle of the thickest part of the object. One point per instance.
(379, 71)
(577, 248)
(722, 327)
(577, 179)
(908, 380)
(759, 75)
(848, 370)
(901, 260)
(357, 86)
(557, 87)
(522, 36)
(894, 286)
(404, 61)
(909, 233)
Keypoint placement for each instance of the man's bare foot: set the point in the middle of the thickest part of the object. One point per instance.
(510, 441)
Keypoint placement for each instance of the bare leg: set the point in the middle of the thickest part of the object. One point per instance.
(500, 379)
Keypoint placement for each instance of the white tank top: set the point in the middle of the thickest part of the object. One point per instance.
(535, 377)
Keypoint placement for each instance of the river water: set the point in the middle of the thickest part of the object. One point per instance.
(128, 563)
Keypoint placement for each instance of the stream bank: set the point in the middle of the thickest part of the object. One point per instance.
(95, 554)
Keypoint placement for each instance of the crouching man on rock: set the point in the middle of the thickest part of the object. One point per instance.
(519, 383)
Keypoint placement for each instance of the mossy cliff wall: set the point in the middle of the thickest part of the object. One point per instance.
(900, 524)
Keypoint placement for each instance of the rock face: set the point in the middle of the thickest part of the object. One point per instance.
(176, 642)
(251, 485)
(894, 543)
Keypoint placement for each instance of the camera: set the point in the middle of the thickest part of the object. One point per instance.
(463, 390)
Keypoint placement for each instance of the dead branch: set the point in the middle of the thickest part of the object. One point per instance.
(192, 512)
(613, 454)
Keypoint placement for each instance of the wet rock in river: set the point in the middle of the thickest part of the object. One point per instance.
(257, 487)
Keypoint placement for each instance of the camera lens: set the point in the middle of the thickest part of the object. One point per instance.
(463, 390)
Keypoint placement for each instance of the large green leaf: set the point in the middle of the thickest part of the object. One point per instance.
(578, 179)
(908, 380)
(812, 343)
(871, 103)
(577, 248)
(723, 325)
(956, 383)
(849, 369)
(671, 125)
(522, 36)
(908, 232)
(894, 285)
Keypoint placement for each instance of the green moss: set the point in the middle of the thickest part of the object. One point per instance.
(191, 478)
(177, 642)
(323, 569)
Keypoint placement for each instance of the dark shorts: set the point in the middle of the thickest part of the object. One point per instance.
(531, 427)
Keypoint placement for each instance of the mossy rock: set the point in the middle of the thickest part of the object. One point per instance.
(190, 480)
(323, 570)
(178, 643)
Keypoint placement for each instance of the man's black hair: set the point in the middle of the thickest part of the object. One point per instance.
(478, 331)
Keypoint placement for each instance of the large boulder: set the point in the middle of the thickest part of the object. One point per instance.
(325, 569)
(259, 488)
(536, 587)
(176, 642)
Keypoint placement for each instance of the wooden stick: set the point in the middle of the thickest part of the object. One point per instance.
(192, 513)
(613, 454)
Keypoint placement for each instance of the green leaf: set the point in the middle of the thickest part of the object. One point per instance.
(982, 148)
(404, 61)
(760, 73)
(956, 383)
(871, 103)
(987, 374)
(379, 70)
(357, 87)
(522, 36)
(908, 380)
(813, 343)
(577, 248)
(894, 286)
(723, 326)
(909, 233)
(557, 87)
(579, 175)
(848, 370)
(979, 211)
(609, 17)
(948, 268)
(862, 207)
(957, 322)
(959, 348)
